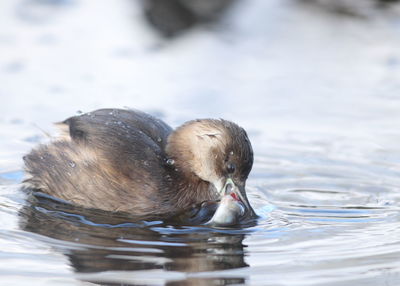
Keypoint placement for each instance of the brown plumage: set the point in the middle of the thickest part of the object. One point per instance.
(127, 160)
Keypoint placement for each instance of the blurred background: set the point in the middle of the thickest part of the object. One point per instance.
(272, 66)
(316, 83)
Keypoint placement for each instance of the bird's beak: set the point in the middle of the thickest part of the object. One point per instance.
(238, 192)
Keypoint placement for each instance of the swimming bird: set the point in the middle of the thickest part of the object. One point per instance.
(124, 160)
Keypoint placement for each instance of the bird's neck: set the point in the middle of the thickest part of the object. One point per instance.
(190, 190)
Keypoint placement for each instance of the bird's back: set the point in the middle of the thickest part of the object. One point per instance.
(110, 159)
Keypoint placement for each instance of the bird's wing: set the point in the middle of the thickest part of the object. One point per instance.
(106, 158)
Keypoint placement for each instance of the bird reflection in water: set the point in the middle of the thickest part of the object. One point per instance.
(118, 242)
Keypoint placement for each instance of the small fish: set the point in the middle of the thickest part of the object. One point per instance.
(229, 211)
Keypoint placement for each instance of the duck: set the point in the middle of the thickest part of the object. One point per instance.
(126, 160)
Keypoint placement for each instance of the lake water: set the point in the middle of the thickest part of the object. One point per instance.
(317, 91)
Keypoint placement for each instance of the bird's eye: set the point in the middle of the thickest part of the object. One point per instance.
(231, 168)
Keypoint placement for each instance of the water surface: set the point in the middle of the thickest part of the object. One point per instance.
(318, 93)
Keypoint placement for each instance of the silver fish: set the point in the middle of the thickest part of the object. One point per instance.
(228, 213)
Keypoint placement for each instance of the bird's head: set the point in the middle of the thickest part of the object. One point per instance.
(216, 151)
